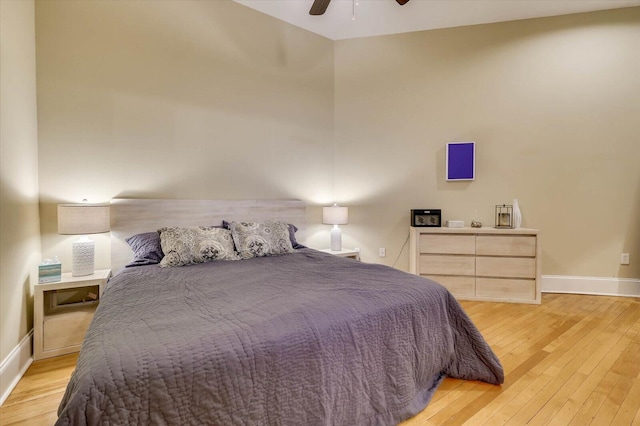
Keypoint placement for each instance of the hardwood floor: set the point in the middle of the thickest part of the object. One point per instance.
(35, 399)
(574, 360)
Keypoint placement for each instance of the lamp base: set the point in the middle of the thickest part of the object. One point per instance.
(82, 262)
(336, 238)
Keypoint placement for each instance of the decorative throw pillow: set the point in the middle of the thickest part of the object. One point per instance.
(253, 239)
(186, 246)
(146, 249)
(292, 234)
(292, 237)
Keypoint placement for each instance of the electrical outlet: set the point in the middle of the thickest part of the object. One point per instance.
(624, 259)
(382, 252)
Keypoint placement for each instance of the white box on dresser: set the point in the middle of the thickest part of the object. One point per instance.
(490, 264)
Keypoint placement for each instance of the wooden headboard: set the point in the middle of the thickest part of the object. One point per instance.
(133, 216)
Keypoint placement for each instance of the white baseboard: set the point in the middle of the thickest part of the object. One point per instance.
(602, 286)
(14, 366)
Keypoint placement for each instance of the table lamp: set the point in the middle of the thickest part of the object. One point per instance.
(335, 216)
(83, 219)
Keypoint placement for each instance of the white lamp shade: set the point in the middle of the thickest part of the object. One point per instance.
(80, 219)
(335, 215)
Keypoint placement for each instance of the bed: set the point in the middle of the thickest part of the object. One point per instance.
(303, 338)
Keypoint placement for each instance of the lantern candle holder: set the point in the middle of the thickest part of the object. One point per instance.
(504, 216)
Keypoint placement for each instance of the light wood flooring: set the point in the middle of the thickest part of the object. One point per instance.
(574, 360)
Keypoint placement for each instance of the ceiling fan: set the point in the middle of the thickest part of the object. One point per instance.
(320, 6)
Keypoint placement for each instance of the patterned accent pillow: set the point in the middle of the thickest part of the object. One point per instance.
(292, 234)
(269, 238)
(186, 246)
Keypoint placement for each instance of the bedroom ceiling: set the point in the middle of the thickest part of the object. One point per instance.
(379, 17)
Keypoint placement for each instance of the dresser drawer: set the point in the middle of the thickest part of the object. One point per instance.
(506, 245)
(67, 328)
(501, 288)
(447, 265)
(480, 264)
(458, 286)
(507, 267)
(447, 244)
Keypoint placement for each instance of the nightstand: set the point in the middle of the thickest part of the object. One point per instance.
(63, 311)
(345, 252)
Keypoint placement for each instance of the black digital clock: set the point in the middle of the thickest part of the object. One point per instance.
(426, 218)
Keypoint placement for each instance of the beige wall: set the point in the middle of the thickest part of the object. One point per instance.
(19, 223)
(186, 99)
(553, 105)
(200, 99)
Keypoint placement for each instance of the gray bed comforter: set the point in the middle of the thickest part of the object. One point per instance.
(301, 339)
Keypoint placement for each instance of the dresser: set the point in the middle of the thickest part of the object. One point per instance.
(501, 265)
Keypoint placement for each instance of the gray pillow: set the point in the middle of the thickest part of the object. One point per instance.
(146, 249)
(268, 238)
(186, 246)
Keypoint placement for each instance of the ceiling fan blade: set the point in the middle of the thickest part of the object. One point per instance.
(402, 2)
(319, 6)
